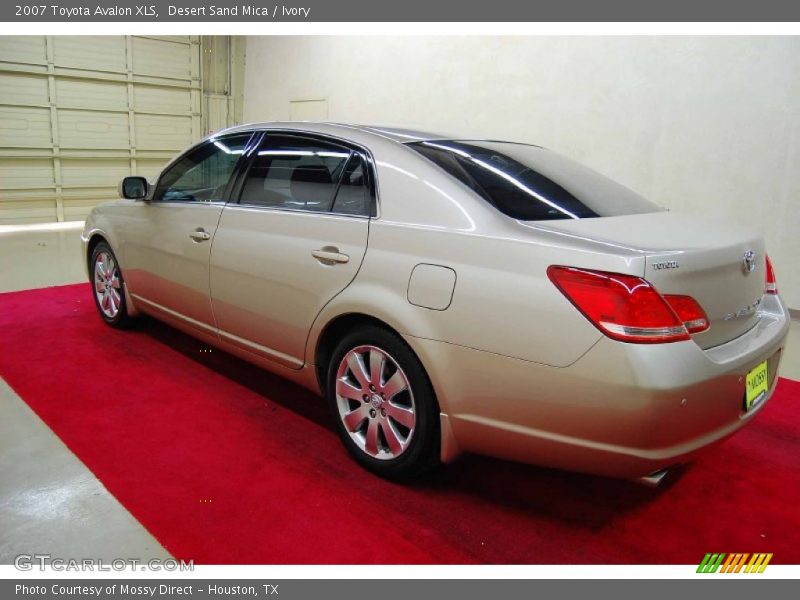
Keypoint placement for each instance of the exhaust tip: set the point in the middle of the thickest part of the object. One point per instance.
(654, 479)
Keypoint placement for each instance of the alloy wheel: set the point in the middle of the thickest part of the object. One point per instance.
(107, 286)
(375, 402)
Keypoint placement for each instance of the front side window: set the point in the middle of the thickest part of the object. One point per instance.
(530, 183)
(296, 173)
(202, 174)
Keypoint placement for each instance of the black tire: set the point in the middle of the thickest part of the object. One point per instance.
(421, 453)
(120, 318)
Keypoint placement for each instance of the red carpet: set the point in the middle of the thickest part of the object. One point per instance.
(224, 463)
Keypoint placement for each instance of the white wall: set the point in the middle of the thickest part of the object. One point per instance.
(705, 124)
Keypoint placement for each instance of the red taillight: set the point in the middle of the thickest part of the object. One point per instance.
(689, 311)
(770, 285)
(623, 307)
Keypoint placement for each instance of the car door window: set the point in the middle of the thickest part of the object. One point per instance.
(352, 197)
(202, 174)
(294, 173)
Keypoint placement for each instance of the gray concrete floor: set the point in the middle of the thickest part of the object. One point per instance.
(49, 501)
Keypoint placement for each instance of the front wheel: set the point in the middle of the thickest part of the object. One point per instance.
(385, 408)
(108, 290)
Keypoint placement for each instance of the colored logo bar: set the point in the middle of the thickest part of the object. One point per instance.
(734, 562)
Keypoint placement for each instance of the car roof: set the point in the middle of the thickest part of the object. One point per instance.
(345, 130)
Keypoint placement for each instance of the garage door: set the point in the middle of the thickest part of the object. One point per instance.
(79, 113)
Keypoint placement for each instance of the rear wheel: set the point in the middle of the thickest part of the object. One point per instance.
(107, 282)
(385, 409)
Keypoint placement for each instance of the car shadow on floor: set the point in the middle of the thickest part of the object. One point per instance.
(585, 500)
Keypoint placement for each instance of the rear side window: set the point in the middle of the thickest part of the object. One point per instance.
(295, 173)
(530, 183)
(353, 196)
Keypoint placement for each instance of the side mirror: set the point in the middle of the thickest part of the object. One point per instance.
(133, 188)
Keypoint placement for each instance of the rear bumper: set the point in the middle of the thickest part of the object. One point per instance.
(622, 409)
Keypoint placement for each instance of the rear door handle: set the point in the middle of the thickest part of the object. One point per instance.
(330, 256)
(200, 235)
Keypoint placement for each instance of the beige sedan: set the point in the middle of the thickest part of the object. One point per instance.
(451, 295)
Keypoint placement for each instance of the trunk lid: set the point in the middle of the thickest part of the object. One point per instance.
(693, 256)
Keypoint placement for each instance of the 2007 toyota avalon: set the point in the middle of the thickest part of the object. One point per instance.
(452, 295)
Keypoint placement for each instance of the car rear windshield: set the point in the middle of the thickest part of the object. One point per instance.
(532, 184)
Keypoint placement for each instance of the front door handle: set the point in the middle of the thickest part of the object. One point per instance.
(200, 235)
(330, 255)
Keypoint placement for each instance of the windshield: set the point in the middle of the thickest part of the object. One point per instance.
(533, 184)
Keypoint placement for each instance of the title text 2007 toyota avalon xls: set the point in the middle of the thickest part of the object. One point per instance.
(452, 295)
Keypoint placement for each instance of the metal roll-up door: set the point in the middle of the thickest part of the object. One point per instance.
(79, 113)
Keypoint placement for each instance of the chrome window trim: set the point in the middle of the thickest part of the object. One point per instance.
(368, 156)
(320, 213)
(187, 202)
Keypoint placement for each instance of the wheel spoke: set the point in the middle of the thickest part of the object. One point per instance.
(395, 385)
(353, 419)
(376, 361)
(356, 363)
(99, 286)
(404, 416)
(371, 445)
(346, 390)
(112, 303)
(392, 438)
(115, 297)
(115, 281)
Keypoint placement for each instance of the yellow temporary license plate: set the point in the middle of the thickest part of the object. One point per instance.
(756, 386)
